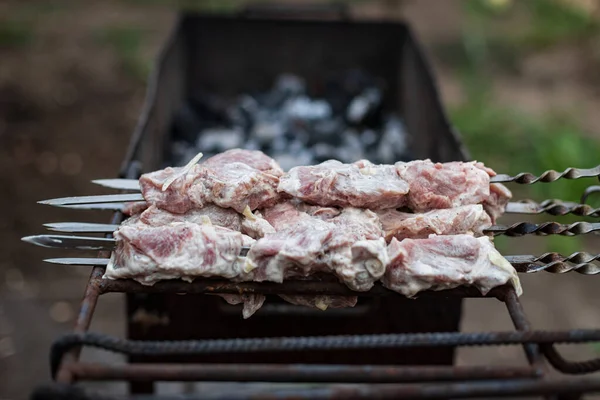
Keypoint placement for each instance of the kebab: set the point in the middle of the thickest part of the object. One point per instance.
(297, 240)
(312, 225)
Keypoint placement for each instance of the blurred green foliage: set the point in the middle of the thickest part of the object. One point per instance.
(506, 138)
(15, 33)
(547, 21)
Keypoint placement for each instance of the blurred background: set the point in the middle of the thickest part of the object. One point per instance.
(520, 81)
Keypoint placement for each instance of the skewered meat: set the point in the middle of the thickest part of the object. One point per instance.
(360, 184)
(224, 217)
(252, 158)
(324, 213)
(470, 219)
(134, 208)
(446, 262)
(420, 185)
(437, 186)
(254, 225)
(228, 182)
(496, 203)
(350, 245)
(183, 250)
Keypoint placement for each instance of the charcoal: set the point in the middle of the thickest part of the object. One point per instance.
(365, 106)
(297, 133)
(368, 138)
(266, 130)
(327, 131)
(290, 160)
(323, 152)
(252, 145)
(220, 139)
(209, 108)
(279, 145)
(291, 85)
(304, 108)
(237, 116)
(248, 104)
(186, 124)
(341, 117)
(393, 141)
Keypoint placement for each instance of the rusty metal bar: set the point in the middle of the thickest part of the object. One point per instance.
(84, 319)
(86, 309)
(323, 343)
(567, 367)
(458, 390)
(290, 287)
(521, 323)
(292, 373)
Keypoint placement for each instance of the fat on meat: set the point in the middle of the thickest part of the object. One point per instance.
(251, 302)
(224, 217)
(350, 245)
(452, 184)
(437, 186)
(178, 250)
(182, 195)
(134, 208)
(234, 180)
(321, 302)
(496, 203)
(254, 225)
(252, 158)
(470, 219)
(324, 213)
(446, 262)
(360, 184)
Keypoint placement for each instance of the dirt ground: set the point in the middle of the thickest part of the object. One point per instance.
(67, 109)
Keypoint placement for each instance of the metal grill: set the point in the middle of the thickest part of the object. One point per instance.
(405, 359)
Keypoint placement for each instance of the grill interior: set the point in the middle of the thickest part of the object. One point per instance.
(414, 339)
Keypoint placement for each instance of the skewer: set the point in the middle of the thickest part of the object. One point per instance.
(81, 242)
(526, 178)
(517, 229)
(81, 227)
(121, 184)
(109, 198)
(550, 262)
(71, 242)
(118, 202)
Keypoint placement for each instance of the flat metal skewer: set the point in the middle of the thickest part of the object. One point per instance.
(526, 178)
(81, 227)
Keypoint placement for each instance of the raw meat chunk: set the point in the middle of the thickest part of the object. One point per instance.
(254, 225)
(357, 250)
(470, 219)
(436, 186)
(182, 195)
(360, 184)
(294, 251)
(496, 203)
(324, 213)
(446, 262)
(350, 245)
(183, 250)
(228, 182)
(322, 302)
(252, 302)
(224, 217)
(134, 208)
(252, 158)
(238, 186)
(284, 214)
